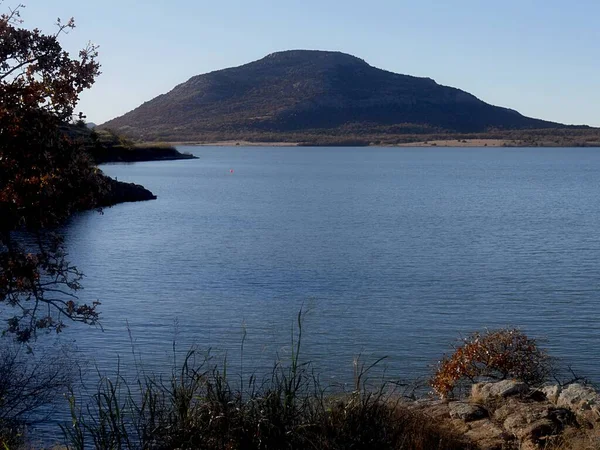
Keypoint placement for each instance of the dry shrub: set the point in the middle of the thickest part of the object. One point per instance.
(576, 439)
(495, 355)
(367, 421)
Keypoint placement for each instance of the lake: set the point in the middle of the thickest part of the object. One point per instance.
(390, 252)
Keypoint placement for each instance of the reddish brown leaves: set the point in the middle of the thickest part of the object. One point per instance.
(44, 176)
(35, 72)
(500, 354)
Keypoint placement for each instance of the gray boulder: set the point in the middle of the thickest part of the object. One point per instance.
(552, 392)
(583, 400)
(467, 411)
(504, 388)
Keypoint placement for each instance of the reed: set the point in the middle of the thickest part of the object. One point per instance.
(197, 406)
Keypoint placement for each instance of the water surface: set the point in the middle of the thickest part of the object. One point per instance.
(391, 251)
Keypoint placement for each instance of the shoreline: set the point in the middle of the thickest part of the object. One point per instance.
(448, 143)
(463, 143)
(229, 143)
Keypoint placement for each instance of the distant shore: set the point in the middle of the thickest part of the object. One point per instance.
(463, 143)
(234, 143)
(454, 143)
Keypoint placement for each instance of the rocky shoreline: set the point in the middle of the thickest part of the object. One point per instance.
(512, 415)
(120, 192)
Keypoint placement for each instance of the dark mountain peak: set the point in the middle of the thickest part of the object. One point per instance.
(298, 91)
(315, 57)
(279, 67)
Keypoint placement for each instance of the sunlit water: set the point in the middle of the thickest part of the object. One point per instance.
(390, 251)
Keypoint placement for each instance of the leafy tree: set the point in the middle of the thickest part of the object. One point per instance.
(44, 175)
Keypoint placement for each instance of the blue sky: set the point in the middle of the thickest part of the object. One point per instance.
(538, 57)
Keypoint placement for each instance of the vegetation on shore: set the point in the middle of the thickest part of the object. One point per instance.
(355, 137)
(105, 146)
(200, 404)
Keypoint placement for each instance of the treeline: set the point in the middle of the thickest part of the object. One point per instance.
(353, 136)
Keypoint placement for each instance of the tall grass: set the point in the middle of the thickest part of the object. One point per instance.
(198, 407)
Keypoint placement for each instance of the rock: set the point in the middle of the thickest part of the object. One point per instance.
(466, 411)
(480, 391)
(520, 413)
(551, 392)
(488, 435)
(504, 388)
(531, 423)
(584, 401)
(577, 397)
(537, 431)
(507, 388)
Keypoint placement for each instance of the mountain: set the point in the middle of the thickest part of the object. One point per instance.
(312, 91)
